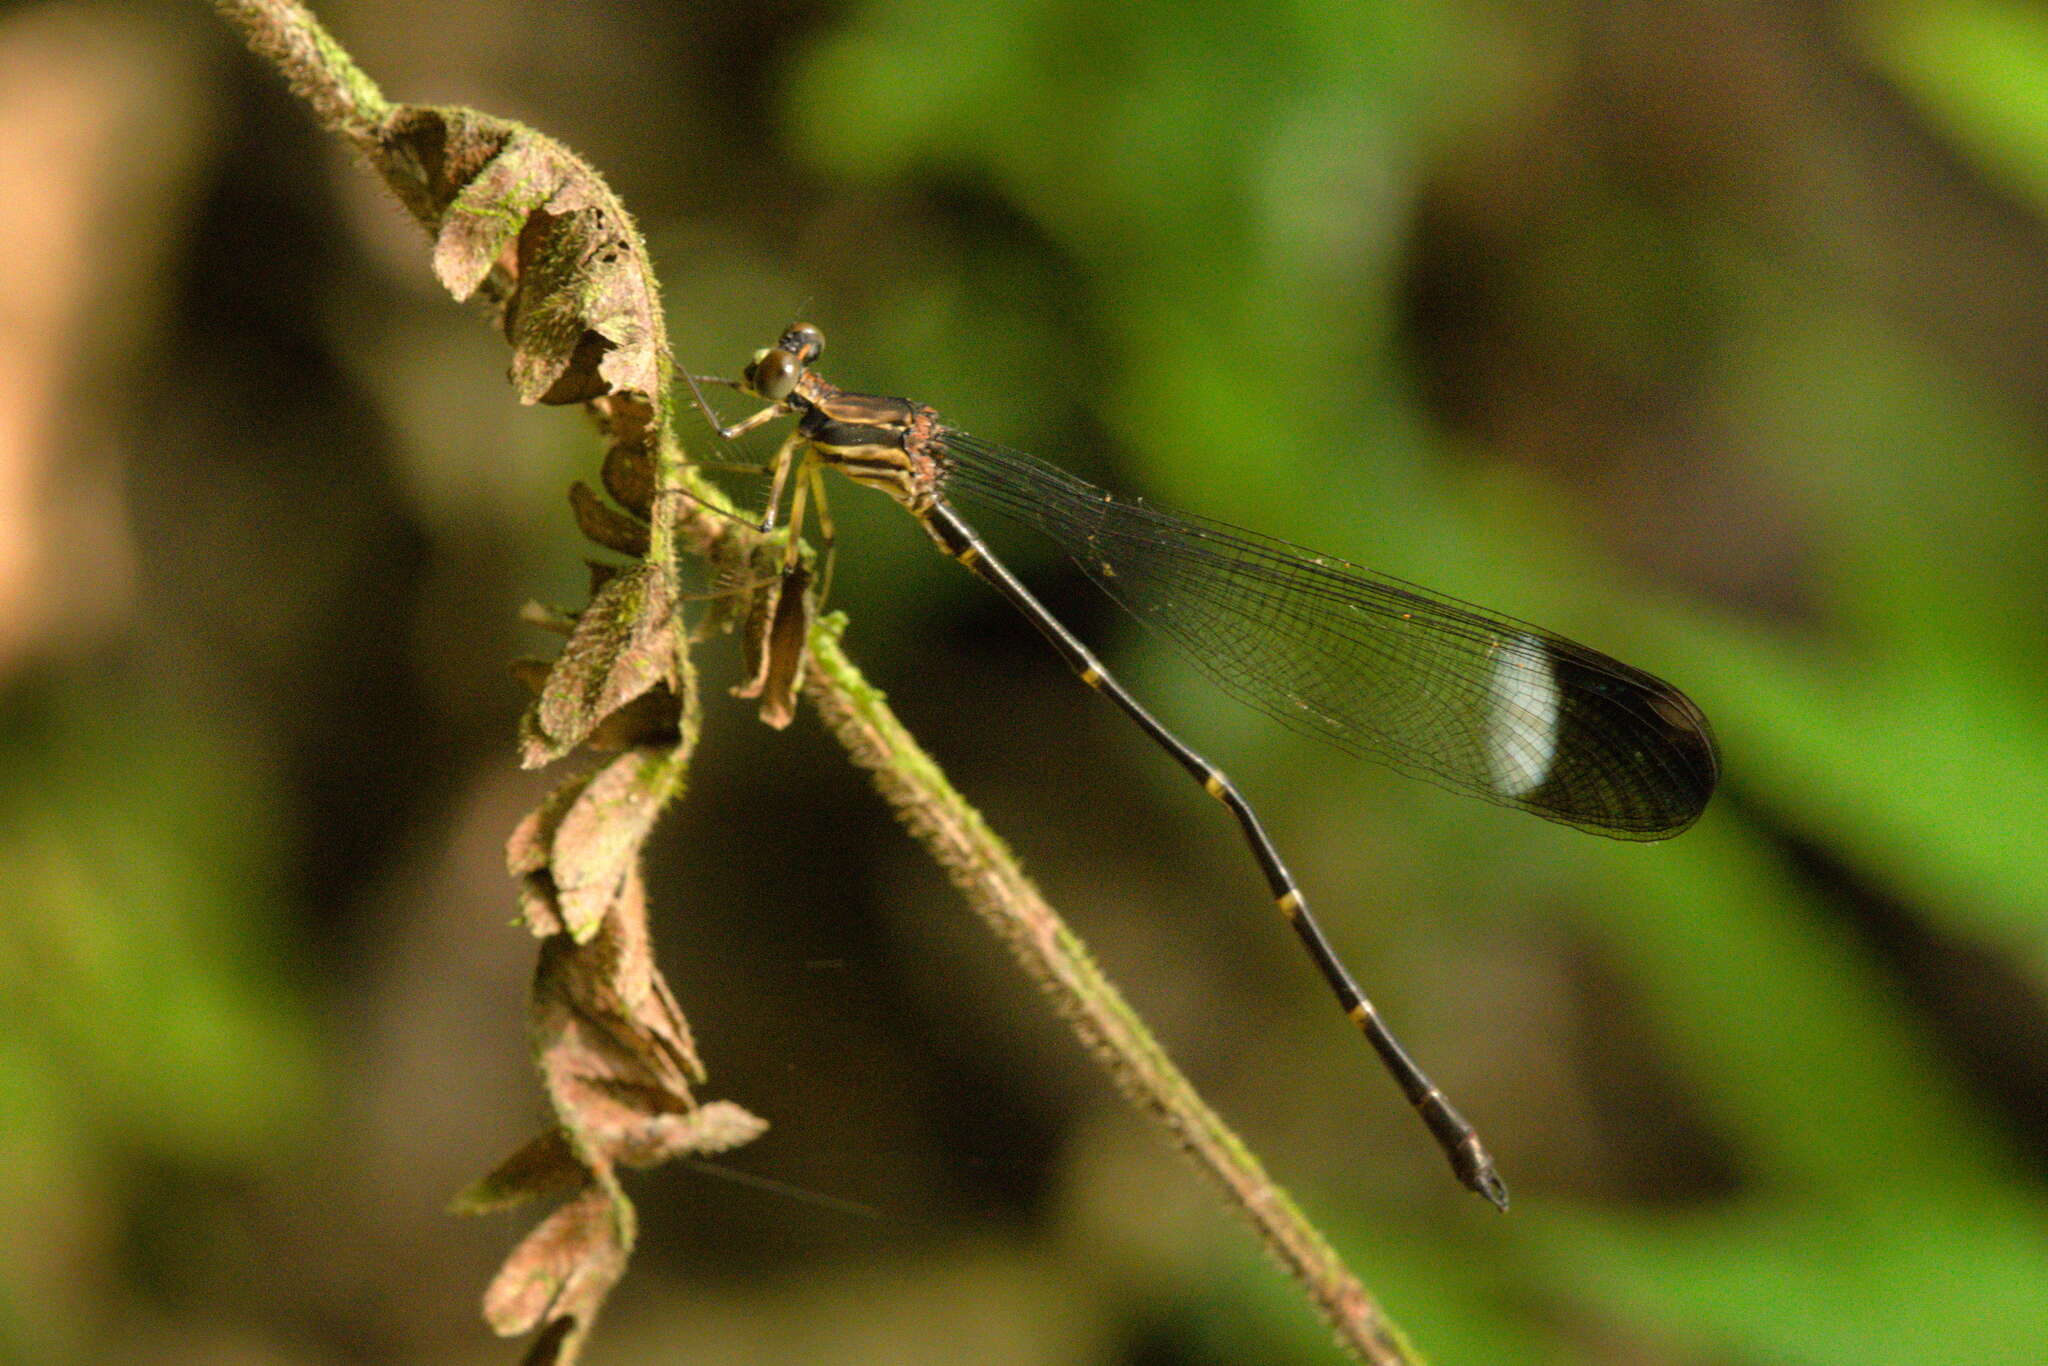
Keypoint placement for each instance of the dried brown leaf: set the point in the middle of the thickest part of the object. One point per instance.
(428, 155)
(657, 1010)
(581, 320)
(563, 1269)
(660, 1037)
(624, 644)
(519, 219)
(539, 907)
(536, 746)
(597, 844)
(605, 524)
(720, 1126)
(543, 1165)
(517, 210)
(777, 631)
(548, 618)
(628, 475)
(530, 847)
(715, 1127)
(603, 1013)
(653, 719)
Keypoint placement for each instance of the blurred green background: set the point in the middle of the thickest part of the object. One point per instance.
(1711, 334)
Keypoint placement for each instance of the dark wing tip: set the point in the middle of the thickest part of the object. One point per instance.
(1636, 759)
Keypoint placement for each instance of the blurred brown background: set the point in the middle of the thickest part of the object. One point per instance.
(1711, 334)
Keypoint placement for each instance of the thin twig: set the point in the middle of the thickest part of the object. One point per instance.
(979, 864)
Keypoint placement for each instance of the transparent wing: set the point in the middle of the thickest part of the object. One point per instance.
(1466, 698)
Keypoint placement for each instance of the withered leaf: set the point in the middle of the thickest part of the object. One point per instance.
(603, 1014)
(529, 851)
(564, 1267)
(536, 746)
(605, 524)
(543, 1165)
(539, 907)
(530, 846)
(656, 1009)
(716, 1126)
(427, 155)
(653, 718)
(585, 320)
(547, 618)
(776, 637)
(720, 1126)
(633, 986)
(509, 204)
(597, 844)
(628, 475)
(623, 645)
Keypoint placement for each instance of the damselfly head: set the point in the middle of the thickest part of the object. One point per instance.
(775, 370)
(773, 374)
(804, 341)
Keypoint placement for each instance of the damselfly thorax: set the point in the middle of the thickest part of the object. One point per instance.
(883, 443)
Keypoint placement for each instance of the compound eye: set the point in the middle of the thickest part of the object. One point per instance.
(774, 374)
(804, 341)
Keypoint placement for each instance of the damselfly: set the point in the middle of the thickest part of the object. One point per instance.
(1449, 692)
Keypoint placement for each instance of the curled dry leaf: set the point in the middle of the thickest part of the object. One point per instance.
(530, 847)
(596, 848)
(777, 628)
(628, 475)
(543, 1165)
(517, 214)
(716, 1126)
(618, 1062)
(624, 643)
(546, 618)
(613, 1049)
(605, 524)
(604, 1018)
(653, 719)
(519, 219)
(539, 908)
(562, 1270)
(529, 856)
(720, 1126)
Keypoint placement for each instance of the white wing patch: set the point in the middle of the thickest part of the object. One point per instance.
(1521, 733)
